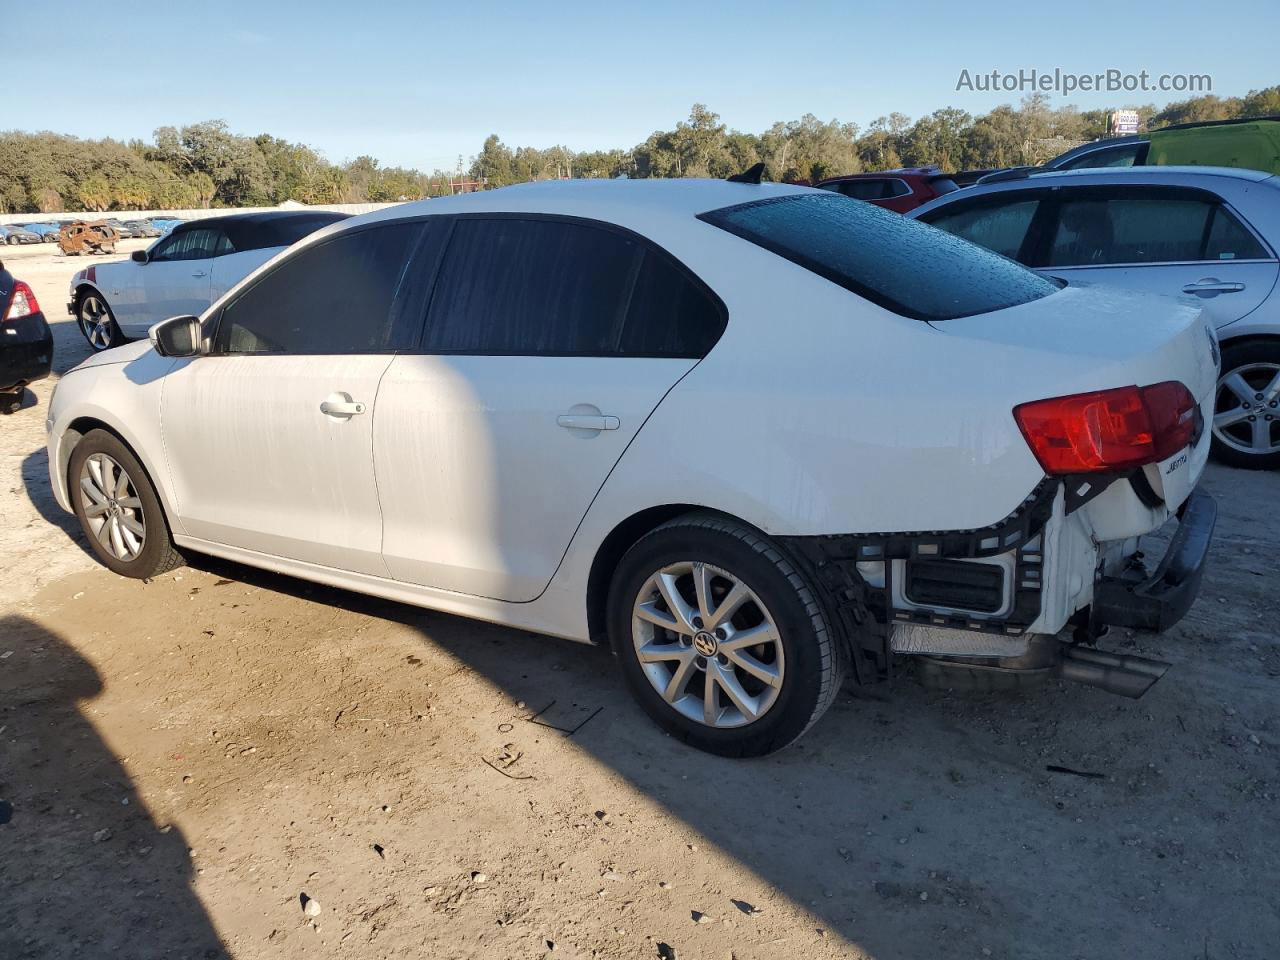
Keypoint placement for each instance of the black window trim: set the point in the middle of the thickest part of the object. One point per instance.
(650, 247)
(395, 311)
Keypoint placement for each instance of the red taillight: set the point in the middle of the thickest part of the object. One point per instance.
(1109, 430)
(23, 303)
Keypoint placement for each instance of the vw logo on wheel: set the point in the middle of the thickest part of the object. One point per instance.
(705, 643)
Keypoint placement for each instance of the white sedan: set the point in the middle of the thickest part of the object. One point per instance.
(757, 437)
(182, 272)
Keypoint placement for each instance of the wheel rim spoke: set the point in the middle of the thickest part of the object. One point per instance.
(1239, 386)
(679, 681)
(679, 608)
(761, 671)
(763, 633)
(732, 687)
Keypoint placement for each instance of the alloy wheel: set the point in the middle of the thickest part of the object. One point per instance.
(1247, 409)
(95, 323)
(708, 645)
(112, 507)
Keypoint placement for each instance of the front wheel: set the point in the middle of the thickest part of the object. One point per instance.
(721, 639)
(97, 323)
(1246, 417)
(118, 508)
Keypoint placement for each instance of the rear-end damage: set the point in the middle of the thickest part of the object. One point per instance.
(1024, 598)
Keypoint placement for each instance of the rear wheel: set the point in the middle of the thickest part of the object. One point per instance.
(720, 639)
(118, 508)
(1246, 417)
(11, 402)
(97, 323)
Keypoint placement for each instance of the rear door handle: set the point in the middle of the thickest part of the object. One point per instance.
(1212, 285)
(586, 421)
(200, 274)
(341, 408)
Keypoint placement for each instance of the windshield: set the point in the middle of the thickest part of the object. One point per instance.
(901, 264)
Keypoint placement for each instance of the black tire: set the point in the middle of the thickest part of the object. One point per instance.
(157, 554)
(10, 402)
(815, 659)
(1256, 362)
(111, 335)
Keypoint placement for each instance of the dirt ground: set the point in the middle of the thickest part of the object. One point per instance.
(227, 763)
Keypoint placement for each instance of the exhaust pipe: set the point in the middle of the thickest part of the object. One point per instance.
(1126, 675)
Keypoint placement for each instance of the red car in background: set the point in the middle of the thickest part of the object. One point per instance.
(899, 190)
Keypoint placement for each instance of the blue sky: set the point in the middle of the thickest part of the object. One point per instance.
(420, 83)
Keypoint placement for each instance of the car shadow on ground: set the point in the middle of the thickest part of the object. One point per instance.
(889, 821)
(68, 808)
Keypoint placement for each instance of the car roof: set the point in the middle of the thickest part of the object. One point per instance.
(626, 202)
(259, 218)
(1152, 172)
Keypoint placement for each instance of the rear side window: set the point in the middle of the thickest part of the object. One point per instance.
(1122, 155)
(334, 297)
(1229, 239)
(1001, 227)
(546, 287)
(1154, 229)
(901, 264)
(879, 189)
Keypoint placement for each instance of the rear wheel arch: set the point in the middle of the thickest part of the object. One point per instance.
(611, 551)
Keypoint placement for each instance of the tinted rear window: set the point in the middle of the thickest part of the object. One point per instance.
(898, 263)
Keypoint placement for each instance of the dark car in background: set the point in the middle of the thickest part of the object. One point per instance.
(11, 233)
(898, 190)
(142, 228)
(26, 344)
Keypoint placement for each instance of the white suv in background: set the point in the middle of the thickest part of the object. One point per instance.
(182, 272)
(1205, 232)
(757, 437)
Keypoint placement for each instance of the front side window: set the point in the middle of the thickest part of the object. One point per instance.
(333, 297)
(901, 264)
(549, 287)
(1001, 227)
(189, 245)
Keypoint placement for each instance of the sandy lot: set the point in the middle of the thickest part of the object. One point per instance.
(226, 763)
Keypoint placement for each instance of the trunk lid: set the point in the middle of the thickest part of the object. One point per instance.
(1096, 338)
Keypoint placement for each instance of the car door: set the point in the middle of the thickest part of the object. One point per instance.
(1162, 239)
(548, 342)
(176, 277)
(269, 438)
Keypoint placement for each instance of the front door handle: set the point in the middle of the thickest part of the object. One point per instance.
(1212, 285)
(586, 421)
(343, 408)
(200, 274)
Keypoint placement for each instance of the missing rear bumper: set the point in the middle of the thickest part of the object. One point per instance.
(1159, 601)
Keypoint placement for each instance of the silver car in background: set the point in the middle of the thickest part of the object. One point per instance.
(1209, 233)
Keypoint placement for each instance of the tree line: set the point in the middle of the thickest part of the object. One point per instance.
(206, 165)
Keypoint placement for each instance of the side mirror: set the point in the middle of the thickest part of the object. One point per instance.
(176, 337)
(138, 256)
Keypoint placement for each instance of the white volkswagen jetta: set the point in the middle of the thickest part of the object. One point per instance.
(754, 436)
